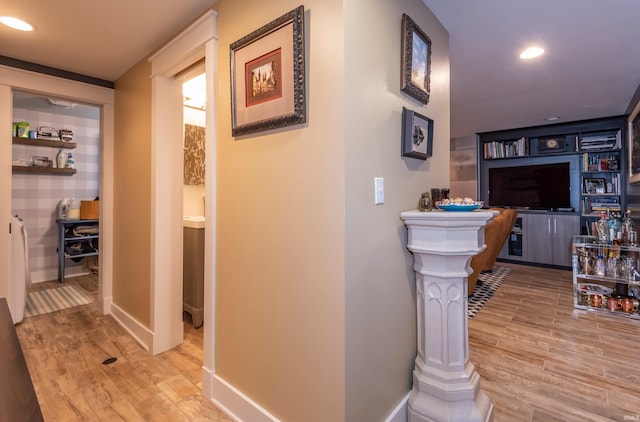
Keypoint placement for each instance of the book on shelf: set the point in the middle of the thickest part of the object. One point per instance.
(601, 141)
(596, 205)
(603, 208)
(506, 149)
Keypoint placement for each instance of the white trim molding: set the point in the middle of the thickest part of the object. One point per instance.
(141, 334)
(236, 405)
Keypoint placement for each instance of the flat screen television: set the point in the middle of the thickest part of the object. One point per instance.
(540, 186)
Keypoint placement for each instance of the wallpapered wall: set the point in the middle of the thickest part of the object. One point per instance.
(194, 156)
(35, 197)
(194, 153)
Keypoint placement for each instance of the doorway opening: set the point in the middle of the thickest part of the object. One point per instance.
(56, 162)
(193, 203)
(167, 327)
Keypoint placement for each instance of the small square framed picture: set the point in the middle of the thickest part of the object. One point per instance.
(417, 135)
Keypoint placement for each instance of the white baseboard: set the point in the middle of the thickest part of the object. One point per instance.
(234, 403)
(105, 305)
(207, 383)
(399, 414)
(41, 276)
(241, 408)
(139, 332)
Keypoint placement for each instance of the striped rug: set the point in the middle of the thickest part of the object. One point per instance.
(51, 300)
(490, 283)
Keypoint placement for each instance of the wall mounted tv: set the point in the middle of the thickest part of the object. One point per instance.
(539, 187)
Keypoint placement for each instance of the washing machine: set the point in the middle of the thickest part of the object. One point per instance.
(20, 281)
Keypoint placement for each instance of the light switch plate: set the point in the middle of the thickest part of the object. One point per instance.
(378, 183)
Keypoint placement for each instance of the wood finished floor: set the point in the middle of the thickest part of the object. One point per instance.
(539, 358)
(542, 360)
(64, 352)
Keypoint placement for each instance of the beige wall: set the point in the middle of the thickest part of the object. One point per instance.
(132, 193)
(380, 284)
(315, 312)
(280, 262)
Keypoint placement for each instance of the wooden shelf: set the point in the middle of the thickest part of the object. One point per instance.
(44, 143)
(42, 170)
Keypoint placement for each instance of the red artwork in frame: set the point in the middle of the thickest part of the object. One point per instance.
(273, 57)
(263, 78)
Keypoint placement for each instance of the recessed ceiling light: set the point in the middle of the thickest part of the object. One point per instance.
(532, 52)
(552, 118)
(16, 23)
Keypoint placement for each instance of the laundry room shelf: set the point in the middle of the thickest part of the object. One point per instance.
(44, 143)
(66, 228)
(42, 170)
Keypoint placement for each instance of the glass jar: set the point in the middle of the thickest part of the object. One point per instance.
(438, 194)
(425, 203)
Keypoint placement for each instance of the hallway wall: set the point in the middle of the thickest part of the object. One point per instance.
(132, 192)
(280, 261)
(315, 297)
(380, 320)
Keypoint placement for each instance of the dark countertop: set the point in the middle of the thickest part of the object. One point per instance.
(18, 401)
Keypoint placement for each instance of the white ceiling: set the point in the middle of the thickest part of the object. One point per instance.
(98, 38)
(591, 67)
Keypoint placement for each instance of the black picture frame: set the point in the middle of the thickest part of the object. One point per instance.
(417, 135)
(633, 130)
(416, 61)
(280, 47)
(594, 186)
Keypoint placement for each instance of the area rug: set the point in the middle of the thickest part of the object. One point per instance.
(51, 300)
(490, 283)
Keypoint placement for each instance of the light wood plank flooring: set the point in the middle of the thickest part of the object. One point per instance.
(542, 360)
(539, 359)
(65, 350)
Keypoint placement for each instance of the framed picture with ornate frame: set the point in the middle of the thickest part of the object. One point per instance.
(416, 61)
(417, 135)
(634, 143)
(268, 76)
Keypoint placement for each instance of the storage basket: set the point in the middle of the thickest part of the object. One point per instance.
(89, 210)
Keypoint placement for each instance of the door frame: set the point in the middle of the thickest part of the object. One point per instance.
(196, 42)
(12, 79)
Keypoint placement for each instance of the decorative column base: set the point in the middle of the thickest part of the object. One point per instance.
(425, 407)
(446, 386)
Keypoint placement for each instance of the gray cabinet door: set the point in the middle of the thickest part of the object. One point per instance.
(564, 228)
(539, 231)
(549, 238)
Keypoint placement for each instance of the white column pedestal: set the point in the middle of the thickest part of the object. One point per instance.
(446, 386)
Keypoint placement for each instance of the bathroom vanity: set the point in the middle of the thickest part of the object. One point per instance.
(193, 269)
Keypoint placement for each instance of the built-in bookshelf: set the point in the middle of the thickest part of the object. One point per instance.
(594, 151)
(605, 140)
(506, 149)
(601, 175)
